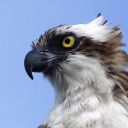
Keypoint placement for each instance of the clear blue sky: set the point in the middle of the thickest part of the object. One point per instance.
(25, 103)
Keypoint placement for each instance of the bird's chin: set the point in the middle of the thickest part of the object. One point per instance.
(49, 72)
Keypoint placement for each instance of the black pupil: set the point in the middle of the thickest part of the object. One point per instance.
(67, 41)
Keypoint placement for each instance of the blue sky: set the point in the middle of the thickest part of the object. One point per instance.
(25, 103)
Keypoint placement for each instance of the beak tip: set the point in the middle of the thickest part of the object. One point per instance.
(29, 74)
(29, 71)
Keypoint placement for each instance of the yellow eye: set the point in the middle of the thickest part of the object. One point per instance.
(68, 41)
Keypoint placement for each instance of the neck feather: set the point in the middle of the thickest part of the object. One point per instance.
(80, 78)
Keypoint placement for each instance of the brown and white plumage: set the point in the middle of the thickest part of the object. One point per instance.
(90, 79)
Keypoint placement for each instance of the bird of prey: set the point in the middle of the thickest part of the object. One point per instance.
(86, 65)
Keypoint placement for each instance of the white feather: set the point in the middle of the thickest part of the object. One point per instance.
(84, 97)
(96, 30)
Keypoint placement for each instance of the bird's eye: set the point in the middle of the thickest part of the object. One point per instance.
(68, 42)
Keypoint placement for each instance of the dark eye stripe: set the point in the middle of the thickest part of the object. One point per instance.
(55, 42)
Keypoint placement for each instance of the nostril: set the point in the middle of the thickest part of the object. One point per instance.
(43, 51)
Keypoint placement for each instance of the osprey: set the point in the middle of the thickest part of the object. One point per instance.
(87, 67)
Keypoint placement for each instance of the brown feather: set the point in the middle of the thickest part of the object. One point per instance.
(115, 61)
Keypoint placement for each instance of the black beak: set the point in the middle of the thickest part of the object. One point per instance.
(36, 61)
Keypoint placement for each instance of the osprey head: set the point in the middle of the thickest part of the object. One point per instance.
(67, 47)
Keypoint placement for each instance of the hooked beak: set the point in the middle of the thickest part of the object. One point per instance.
(36, 61)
